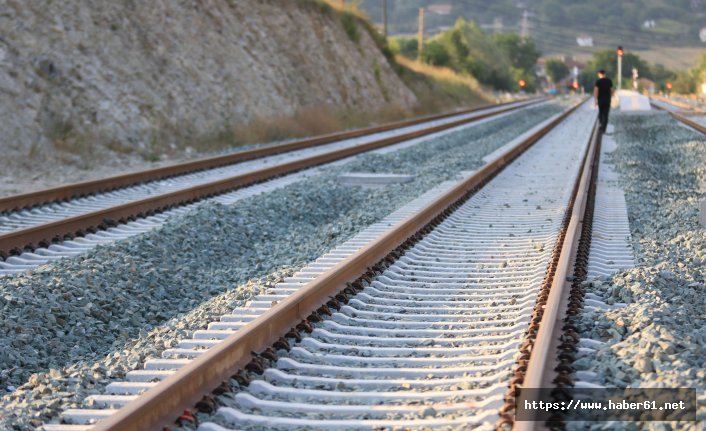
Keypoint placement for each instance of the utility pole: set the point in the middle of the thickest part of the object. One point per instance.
(420, 40)
(620, 53)
(524, 25)
(384, 17)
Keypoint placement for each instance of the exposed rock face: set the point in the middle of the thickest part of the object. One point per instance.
(128, 73)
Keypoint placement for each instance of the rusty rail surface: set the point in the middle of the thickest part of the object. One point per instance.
(543, 360)
(41, 235)
(162, 404)
(72, 191)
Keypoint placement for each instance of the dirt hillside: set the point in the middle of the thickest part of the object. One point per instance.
(133, 77)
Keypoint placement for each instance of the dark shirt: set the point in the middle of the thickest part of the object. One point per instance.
(604, 86)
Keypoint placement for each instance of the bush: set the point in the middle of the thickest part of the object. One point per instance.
(436, 54)
(472, 52)
(685, 83)
(405, 46)
(321, 5)
(556, 69)
(350, 26)
(380, 41)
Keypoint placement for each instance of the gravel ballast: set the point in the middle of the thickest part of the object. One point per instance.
(658, 338)
(63, 319)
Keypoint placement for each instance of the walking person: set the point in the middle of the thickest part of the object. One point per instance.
(603, 92)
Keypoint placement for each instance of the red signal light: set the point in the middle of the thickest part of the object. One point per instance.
(669, 86)
(522, 83)
(620, 51)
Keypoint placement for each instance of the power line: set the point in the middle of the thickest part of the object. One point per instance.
(480, 7)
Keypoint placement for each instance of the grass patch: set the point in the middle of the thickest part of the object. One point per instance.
(64, 137)
(434, 96)
(438, 73)
(378, 78)
(119, 147)
(322, 6)
(347, 7)
(34, 151)
(306, 122)
(353, 20)
(439, 89)
(314, 120)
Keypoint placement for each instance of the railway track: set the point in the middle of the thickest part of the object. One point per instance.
(39, 224)
(681, 112)
(73, 191)
(603, 249)
(428, 319)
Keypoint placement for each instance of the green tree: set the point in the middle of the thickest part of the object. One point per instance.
(690, 81)
(498, 61)
(406, 46)
(607, 60)
(520, 51)
(435, 53)
(556, 69)
(661, 75)
(471, 51)
(685, 82)
(522, 55)
(700, 72)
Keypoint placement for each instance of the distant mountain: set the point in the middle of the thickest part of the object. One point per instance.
(555, 25)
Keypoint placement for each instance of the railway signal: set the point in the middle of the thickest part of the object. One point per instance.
(620, 53)
(635, 75)
(669, 87)
(521, 83)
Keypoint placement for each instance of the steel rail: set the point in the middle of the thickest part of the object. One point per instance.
(691, 123)
(76, 190)
(14, 242)
(543, 360)
(677, 104)
(163, 403)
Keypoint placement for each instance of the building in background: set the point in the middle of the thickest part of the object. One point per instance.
(644, 84)
(584, 41)
(439, 8)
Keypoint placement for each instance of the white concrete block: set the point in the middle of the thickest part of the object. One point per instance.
(373, 179)
(633, 101)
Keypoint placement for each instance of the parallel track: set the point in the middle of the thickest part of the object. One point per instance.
(62, 224)
(436, 312)
(87, 188)
(679, 114)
